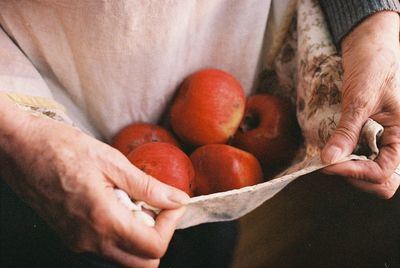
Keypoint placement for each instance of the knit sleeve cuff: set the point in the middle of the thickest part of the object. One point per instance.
(343, 15)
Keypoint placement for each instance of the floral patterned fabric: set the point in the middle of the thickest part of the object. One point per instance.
(319, 73)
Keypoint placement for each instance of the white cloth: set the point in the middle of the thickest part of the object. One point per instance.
(116, 62)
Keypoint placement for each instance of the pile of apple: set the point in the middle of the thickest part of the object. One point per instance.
(216, 140)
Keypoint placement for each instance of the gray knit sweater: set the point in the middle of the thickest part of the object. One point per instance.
(343, 15)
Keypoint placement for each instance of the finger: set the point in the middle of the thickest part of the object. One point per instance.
(384, 190)
(345, 138)
(376, 171)
(150, 242)
(391, 135)
(389, 155)
(356, 108)
(389, 158)
(167, 221)
(141, 186)
(365, 170)
(109, 222)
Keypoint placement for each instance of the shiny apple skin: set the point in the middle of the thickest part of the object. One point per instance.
(269, 130)
(165, 162)
(221, 167)
(136, 134)
(208, 108)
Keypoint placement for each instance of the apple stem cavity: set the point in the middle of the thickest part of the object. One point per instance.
(250, 121)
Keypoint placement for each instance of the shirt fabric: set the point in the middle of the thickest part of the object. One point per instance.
(112, 63)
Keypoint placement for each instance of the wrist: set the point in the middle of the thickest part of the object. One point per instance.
(12, 122)
(381, 27)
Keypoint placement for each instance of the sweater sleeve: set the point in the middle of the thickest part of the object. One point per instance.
(343, 15)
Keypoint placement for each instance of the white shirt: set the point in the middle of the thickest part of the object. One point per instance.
(112, 63)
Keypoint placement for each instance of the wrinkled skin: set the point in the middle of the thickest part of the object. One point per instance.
(68, 178)
(371, 88)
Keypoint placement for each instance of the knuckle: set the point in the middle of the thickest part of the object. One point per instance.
(386, 193)
(381, 176)
(96, 222)
(101, 222)
(158, 251)
(148, 186)
(373, 175)
(356, 107)
(116, 157)
(385, 175)
(347, 132)
(388, 188)
(385, 172)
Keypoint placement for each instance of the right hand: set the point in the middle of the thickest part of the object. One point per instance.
(371, 89)
(68, 178)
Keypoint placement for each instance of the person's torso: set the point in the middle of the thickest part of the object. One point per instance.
(121, 61)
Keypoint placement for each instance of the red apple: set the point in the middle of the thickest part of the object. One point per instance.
(165, 162)
(221, 167)
(268, 130)
(137, 134)
(208, 108)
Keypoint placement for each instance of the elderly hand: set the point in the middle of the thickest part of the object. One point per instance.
(371, 88)
(69, 177)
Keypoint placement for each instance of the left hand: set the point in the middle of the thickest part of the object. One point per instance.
(371, 89)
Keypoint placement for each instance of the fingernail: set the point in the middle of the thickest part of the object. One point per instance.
(332, 154)
(179, 198)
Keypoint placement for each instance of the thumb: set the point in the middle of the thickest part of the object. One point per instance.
(144, 187)
(160, 195)
(345, 138)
